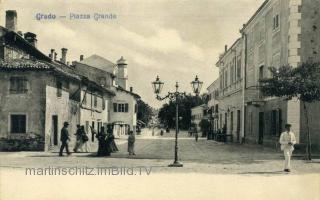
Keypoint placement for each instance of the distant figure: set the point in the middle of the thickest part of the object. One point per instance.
(131, 141)
(196, 135)
(287, 141)
(103, 149)
(111, 141)
(85, 140)
(64, 138)
(78, 135)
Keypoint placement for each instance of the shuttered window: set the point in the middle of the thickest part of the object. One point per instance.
(18, 85)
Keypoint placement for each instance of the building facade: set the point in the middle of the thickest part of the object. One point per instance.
(197, 114)
(230, 109)
(281, 32)
(213, 105)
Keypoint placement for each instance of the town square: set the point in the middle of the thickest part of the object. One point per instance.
(186, 99)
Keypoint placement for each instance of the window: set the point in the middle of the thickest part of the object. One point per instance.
(276, 22)
(59, 89)
(115, 107)
(18, 85)
(95, 101)
(299, 8)
(239, 69)
(103, 104)
(261, 74)
(136, 108)
(299, 51)
(18, 123)
(121, 107)
(299, 37)
(299, 23)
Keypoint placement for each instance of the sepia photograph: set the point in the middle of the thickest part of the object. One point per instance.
(162, 99)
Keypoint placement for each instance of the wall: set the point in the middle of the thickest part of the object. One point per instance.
(32, 103)
(129, 118)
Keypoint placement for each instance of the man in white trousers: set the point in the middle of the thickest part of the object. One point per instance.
(287, 141)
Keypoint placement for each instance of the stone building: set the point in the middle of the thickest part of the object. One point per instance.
(230, 112)
(38, 92)
(213, 105)
(197, 114)
(122, 107)
(281, 32)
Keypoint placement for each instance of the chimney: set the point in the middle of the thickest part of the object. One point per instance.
(31, 38)
(55, 56)
(11, 20)
(225, 48)
(81, 57)
(131, 89)
(64, 55)
(52, 54)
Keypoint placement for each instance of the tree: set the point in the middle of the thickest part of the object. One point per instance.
(167, 112)
(302, 82)
(145, 112)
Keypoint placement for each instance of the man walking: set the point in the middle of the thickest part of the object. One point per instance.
(64, 138)
(287, 141)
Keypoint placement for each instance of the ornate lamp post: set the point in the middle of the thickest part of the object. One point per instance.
(175, 96)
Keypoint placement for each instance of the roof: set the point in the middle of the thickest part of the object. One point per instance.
(99, 62)
(24, 64)
(13, 37)
(255, 14)
(229, 49)
(124, 90)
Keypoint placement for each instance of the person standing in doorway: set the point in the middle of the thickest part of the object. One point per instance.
(64, 138)
(131, 141)
(287, 141)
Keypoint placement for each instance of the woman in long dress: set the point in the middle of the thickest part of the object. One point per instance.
(113, 145)
(103, 149)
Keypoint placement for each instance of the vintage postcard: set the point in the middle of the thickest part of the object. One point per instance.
(162, 99)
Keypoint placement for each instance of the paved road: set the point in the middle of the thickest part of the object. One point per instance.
(157, 151)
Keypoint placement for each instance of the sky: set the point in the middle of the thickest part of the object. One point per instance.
(176, 40)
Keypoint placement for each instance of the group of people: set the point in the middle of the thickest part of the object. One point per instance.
(106, 143)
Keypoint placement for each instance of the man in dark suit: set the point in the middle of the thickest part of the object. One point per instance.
(64, 138)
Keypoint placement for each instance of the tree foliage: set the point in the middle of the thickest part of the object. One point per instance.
(145, 112)
(302, 82)
(167, 113)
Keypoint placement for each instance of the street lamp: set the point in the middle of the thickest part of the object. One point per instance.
(175, 96)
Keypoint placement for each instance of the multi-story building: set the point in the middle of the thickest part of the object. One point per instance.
(231, 64)
(38, 93)
(197, 114)
(281, 32)
(122, 107)
(213, 105)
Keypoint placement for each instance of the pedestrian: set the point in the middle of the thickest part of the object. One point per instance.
(64, 138)
(196, 135)
(287, 141)
(103, 147)
(78, 135)
(111, 141)
(131, 141)
(85, 140)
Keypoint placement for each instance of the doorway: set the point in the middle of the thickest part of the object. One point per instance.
(261, 127)
(238, 124)
(55, 129)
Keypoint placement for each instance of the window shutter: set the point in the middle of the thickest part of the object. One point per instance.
(115, 108)
(126, 107)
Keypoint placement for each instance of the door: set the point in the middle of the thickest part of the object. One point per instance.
(261, 127)
(238, 124)
(92, 133)
(55, 129)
